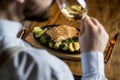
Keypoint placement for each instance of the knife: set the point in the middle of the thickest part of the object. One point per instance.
(110, 48)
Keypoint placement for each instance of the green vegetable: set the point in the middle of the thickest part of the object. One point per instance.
(44, 30)
(69, 40)
(76, 8)
(38, 31)
(43, 39)
(51, 44)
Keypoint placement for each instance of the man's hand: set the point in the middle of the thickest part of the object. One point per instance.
(93, 36)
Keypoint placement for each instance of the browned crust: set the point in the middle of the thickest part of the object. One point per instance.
(62, 32)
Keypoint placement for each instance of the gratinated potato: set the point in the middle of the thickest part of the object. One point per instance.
(71, 48)
(57, 45)
(76, 45)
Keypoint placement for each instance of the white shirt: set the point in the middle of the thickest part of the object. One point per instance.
(39, 64)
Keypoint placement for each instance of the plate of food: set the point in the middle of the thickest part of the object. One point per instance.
(61, 38)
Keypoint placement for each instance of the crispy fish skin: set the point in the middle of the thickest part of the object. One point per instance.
(62, 32)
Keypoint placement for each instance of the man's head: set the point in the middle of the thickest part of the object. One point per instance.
(37, 9)
(30, 9)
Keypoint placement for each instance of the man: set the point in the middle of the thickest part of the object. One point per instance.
(38, 64)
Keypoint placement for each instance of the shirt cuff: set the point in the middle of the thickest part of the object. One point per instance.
(92, 62)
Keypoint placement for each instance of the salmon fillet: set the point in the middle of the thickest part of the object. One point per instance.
(62, 32)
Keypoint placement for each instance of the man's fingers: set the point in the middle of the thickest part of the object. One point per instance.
(97, 23)
(88, 21)
(89, 24)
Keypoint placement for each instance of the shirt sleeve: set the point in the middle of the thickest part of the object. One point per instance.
(93, 66)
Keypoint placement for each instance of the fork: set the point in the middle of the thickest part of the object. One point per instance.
(25, 28)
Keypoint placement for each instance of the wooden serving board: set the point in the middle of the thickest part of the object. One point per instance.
(30, 39)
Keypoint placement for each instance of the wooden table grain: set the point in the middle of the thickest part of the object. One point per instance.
(108, 13)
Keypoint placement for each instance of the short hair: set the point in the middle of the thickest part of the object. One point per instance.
(6, 1)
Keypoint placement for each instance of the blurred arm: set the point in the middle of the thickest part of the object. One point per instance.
(93, 40)
(31, 63)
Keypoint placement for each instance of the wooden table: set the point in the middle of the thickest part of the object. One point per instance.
(108, 13)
